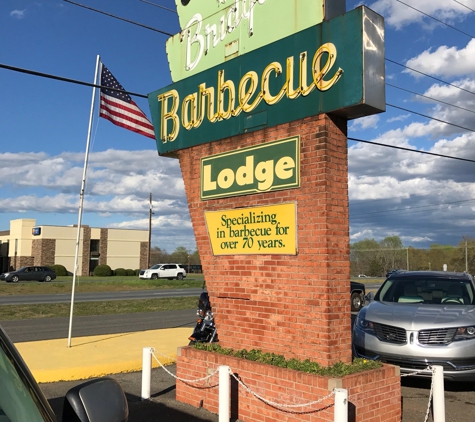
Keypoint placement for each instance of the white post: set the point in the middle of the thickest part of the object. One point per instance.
(224, 394)
(81, 196)
(438, 398)
(146, 372)
(341, 405)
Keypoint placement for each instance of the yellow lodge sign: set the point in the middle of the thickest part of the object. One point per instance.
(258, 230)
(263, 168)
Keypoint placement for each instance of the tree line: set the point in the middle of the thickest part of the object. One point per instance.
(374, 258)
(181, 255)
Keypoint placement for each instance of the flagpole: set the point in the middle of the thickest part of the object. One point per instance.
(81, 196)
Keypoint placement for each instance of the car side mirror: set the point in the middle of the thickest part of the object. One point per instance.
(369, 297)
(100, 399)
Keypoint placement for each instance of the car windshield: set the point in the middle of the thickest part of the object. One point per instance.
(437, 290)
(17, 403)
(156, 266)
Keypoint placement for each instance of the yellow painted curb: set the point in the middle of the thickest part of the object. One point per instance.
(95, 356)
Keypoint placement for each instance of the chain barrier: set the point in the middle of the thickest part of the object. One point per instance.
(181, 379)
(269, 402)
(428, 368)
(283, 405)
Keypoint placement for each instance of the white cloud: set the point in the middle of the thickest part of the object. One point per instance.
(118, 185)
(399, 15)
(18, 14)
(444, 61)
(365, 122)
(399, 118)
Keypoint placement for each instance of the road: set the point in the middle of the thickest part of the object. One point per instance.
(97, 296)
(54, 328)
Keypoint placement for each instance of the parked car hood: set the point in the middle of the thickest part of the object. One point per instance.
(419, 316)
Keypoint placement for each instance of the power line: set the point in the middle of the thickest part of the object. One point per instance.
(418, 208)
(430, 98)
(60, 78)
(158, 5)
(429, 16)
(432, 118)
(412, 150)
(429, 76)
(464, 5)
(117, 17)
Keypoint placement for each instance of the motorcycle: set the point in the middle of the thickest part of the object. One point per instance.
(205, 329)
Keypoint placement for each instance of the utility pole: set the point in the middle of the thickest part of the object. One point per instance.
(466, 257)
(149, 230)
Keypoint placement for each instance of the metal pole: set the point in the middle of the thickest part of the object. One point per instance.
(81, 197)
(224, 394)
(341, 405)
(146, 372)
(149, 230)
(466, 258)
(407, 258)
(438, 398)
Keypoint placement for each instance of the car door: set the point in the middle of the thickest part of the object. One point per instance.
(169, 271)
(28, 274)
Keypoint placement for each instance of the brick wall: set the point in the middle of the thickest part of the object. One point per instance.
(143, 255)
(103, 246)
(43, 251)
(293, 305)
(374, 396)
(86, 250)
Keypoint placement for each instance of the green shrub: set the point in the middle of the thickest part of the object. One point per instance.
(130, 272)
(136, 272)
(339, 369)
(102, 271)
(120, 272)
(60, 270)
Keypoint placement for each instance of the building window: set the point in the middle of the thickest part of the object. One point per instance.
(94, 247)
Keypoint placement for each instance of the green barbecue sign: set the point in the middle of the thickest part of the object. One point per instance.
(336, 66)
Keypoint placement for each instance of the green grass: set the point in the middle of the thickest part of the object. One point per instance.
(96, 284)
(19, 312)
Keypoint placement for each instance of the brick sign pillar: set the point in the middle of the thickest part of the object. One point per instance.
(292, 305)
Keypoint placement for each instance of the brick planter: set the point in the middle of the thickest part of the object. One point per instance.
(374, 396)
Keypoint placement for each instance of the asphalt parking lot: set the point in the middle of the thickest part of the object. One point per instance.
(162, 406)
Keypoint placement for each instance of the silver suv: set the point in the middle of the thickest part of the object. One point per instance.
(170, 271)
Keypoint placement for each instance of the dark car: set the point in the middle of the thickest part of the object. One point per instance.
(358, 292)
(21, 399)
(390, 273)
(37, 273)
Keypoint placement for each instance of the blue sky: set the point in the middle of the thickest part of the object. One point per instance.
(43, 123)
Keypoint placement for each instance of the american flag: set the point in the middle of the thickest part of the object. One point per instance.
(120, 109)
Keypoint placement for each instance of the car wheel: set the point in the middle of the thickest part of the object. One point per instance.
(154, 276)
(15, 279)
(356, 302)
(179, 276)
(48, 278)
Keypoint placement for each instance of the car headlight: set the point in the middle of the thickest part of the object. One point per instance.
(465, 333)
(6, 274)
(365, 325)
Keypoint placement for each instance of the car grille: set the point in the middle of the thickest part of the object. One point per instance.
(389, 333)
(439, 336)
(142, 272)
(448, 365)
